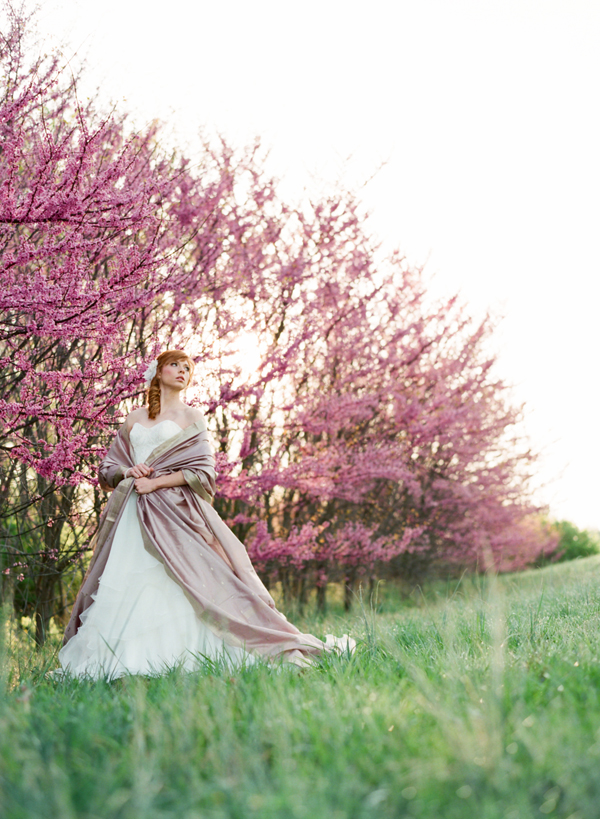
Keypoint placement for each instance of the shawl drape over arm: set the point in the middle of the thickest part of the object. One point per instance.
(198, 550)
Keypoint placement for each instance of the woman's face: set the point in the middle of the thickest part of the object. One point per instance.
(175, 374)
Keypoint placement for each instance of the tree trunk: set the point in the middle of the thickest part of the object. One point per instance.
(44, 608)
(322, 598)
(302, 591)
(286, 585)
(349, 590)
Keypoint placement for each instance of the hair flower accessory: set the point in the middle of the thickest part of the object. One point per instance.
(150, 372)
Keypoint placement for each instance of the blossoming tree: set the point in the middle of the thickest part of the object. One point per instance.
(371, 435)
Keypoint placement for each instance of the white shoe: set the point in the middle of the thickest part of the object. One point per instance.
(342, 645)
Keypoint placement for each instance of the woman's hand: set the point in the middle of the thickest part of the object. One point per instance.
(139, 471)
(144, 486)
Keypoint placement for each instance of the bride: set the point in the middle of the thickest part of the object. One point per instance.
(169, 583)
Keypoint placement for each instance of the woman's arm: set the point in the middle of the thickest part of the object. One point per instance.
(145, 485)
(114, 465)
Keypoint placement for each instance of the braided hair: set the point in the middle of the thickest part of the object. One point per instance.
(153, 392)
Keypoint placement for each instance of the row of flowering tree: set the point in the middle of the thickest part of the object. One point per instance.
(387, 445)
(370, 435)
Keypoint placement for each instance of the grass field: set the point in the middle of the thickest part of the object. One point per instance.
(477, 699)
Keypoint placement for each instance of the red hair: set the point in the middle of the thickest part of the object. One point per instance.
(153, 392)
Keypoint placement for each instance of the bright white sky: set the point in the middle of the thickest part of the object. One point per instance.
(485, 113)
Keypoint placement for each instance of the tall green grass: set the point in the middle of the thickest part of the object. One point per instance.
(475, 699)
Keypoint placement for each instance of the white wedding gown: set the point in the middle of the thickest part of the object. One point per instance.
(141, 622)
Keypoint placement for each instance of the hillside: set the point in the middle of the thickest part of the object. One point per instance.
(478, 699)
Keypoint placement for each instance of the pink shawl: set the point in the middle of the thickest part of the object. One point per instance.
(182, 530)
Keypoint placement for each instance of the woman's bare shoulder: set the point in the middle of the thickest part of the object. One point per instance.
(193, 414)
(137, 415)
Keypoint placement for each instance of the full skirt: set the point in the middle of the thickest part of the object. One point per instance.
(141, 622)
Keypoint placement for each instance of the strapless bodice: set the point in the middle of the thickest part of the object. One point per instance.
(145, 439)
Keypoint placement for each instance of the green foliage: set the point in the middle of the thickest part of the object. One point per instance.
(575, 542)
(477, 699)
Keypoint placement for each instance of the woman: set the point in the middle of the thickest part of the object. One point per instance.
(169, 583)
